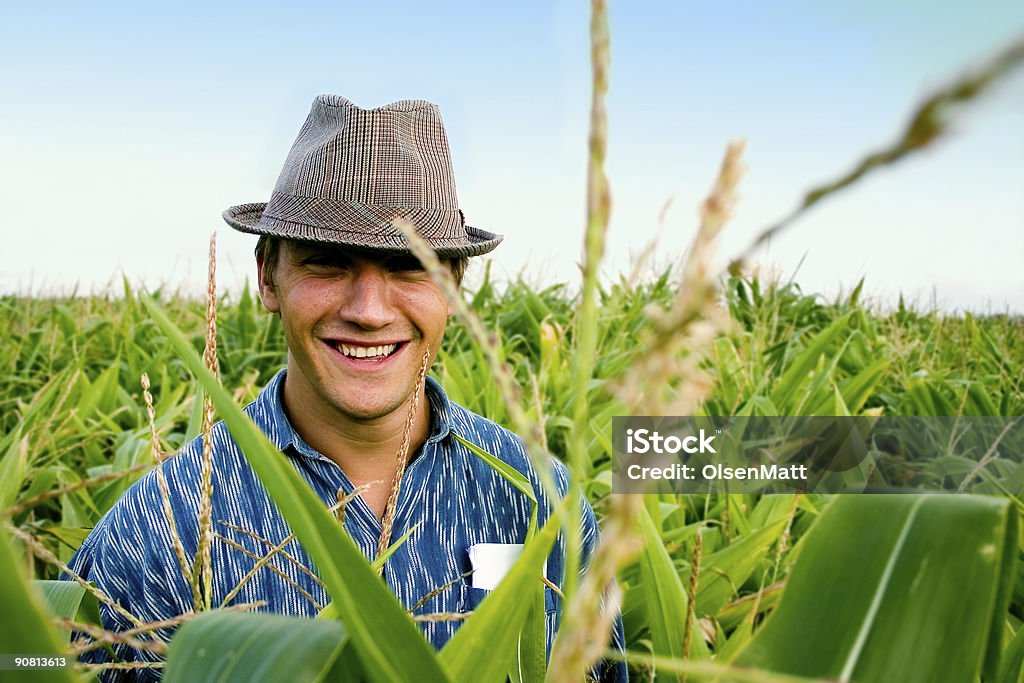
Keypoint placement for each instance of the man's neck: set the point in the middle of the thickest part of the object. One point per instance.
(366, 450)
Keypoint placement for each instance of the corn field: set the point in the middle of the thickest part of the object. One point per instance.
(74, 411)
(728, 587)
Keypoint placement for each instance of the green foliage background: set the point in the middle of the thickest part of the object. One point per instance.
(72, 407)
(71, 402)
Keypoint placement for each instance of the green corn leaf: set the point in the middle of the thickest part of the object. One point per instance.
(43, 479)
(330, 611)
(99, 394)
(978, 401)
(796, 374)
(30, 633)
(70, 601)
(925, 399)
(725, 571)
(379, 561)
(998, 356)
(879, 584)
(507, 472)
(739, 638)
(857, 389)
(484, 648)
(665, 598)
(72, 537)
(532, 649)
(256, 648)
(1011, 669)
(531, 660)
(732, 615)
(195, 419)
(390, 646)
(817, 397)
(13, 469)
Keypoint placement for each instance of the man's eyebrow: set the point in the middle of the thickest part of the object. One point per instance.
(388, 258)
(305, 250)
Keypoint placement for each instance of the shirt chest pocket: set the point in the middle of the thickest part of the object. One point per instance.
(470, 598)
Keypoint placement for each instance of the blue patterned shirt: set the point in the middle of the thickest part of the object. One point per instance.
(455, 499)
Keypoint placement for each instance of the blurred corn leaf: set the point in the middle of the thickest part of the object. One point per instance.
(665, 599)
(70, 601)
(485, 647)
(223, 646)
(13, 468)
(30, 633)
(1011, 668)
(531, 661)
(916, 590)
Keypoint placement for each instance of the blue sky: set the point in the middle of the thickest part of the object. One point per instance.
(127, 128)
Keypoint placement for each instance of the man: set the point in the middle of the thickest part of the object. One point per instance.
(359, 315)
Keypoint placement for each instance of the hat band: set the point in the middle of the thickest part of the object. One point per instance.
(323, 212)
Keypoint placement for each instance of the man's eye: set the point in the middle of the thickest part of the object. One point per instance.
(327, 262)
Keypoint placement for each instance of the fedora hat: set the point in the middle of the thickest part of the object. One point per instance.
(351, 172)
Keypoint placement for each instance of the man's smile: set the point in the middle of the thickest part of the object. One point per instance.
(365, 353)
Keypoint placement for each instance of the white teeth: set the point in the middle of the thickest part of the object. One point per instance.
(367, 351)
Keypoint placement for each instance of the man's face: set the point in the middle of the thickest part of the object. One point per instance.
(357, 325)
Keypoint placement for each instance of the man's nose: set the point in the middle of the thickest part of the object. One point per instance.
(368, 303)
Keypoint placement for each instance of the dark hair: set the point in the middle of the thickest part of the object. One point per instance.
(268, 248)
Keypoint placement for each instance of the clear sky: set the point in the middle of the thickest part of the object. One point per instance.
(126, 128)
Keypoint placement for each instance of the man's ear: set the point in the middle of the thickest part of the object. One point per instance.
(268, 294)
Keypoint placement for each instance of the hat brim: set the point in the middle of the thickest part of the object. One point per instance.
(249, 218)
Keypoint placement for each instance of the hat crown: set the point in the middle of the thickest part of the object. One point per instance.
(352, 174)
(396, 155)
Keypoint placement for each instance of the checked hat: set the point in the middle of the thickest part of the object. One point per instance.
(352, 172)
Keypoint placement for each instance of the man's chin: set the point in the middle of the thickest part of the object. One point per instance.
(368, 412)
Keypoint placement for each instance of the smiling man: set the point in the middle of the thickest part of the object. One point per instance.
(360, 315)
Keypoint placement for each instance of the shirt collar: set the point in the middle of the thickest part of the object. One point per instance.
(283, 435)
